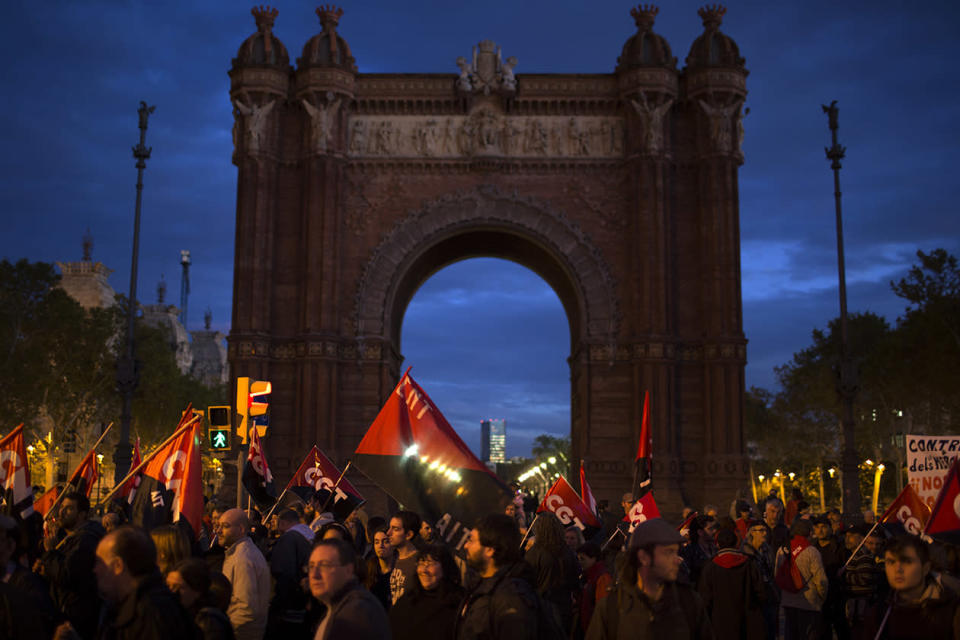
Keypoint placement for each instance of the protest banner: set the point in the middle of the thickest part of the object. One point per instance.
(928, 461)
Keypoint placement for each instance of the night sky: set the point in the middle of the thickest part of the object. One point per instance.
(488, 338)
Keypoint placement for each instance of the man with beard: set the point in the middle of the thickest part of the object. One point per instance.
(68, 564)
(648, 602)
(501, 606)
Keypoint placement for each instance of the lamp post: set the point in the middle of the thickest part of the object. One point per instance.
(847, 387)
(127, 375)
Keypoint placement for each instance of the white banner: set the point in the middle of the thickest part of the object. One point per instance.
(928, 460)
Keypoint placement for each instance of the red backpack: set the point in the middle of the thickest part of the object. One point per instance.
(788, 576)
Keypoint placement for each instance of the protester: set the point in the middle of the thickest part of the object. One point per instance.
(757, 547)
(246, 569)
(773, 518)
(701, 548)
(289, 557)
(793, 506)
(919, 606)
(68, 564)
(26, 605)
(110, 521)
(432, 600)
(802, 608)
(597, 582)
(833, 556)
(352, 612)
(404, 527)
(743, 520)
(428, 535)
(733, 592)
(869, 517)
(555, 567)
(863, 578)
(648, 603)
(500, 605)
(191, 581)
(573, 537)
(172, 546)
(380, 565)
(139, 604)
(836, 522)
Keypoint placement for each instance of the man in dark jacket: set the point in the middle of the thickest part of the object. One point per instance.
(501, 606)
(919, 606)
(68, 564)
(648, 602)
(139, 605)
(733, 592)
(289, 556)
(352, 612)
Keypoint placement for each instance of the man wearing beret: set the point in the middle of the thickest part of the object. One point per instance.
(648, 602)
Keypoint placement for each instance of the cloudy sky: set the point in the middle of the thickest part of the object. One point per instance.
(487, 338)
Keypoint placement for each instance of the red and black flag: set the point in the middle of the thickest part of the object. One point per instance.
(642, 474)
(563, 502)
(586, 493)
(643, 509)
(908, 512)
(42, 504)
(15, 475)
(413, 454)
(85, 475)
(130, 488)
(318, 473)
(257, 478)
(944, 522)
(171, 485)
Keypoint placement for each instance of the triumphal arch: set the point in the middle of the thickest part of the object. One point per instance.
(619, 189)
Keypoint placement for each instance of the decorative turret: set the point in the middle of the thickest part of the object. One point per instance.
(648, 79)
(645, 48)
(716, 82)
(328, 48)
(263, 48)
(326, 73)
(714, 48)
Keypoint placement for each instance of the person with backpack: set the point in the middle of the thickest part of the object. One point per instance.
(648, 603)
(803, 584)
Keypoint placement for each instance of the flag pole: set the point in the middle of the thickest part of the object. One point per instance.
(50, 511)
(529, 529)
(610, 539)
(333, 491)
(274, 507)
(875, 525)
(146, 460)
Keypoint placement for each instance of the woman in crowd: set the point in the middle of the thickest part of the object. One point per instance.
(380, 565)
(190, 579)
(555, 567)
(172, 546)
(432, 600)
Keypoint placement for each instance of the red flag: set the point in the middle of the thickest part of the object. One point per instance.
(130, 489)
(643, 509)
(684, 527)
(414, 454)
(85, 475)
(256, 474)
(42, 504)
(909, 510)
(171, 489)
(642, 475)
(585, 491)
(317, 472)
(563, 502)
(15, 474)
(945, 515)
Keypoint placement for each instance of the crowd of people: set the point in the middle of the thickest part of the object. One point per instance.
(758, 572)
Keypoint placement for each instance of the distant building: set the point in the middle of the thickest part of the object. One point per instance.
(493, 436)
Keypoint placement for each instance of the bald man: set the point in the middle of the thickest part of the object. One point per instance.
(249, 575)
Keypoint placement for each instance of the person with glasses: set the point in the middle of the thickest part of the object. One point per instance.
(351, 611)
(757, 546)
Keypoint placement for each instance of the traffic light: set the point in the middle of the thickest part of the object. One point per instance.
(259, 405)
(253, 405)
(218, 433)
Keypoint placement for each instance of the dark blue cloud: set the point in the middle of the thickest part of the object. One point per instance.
(488, 337)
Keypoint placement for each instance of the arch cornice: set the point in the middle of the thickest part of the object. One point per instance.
(488, 208)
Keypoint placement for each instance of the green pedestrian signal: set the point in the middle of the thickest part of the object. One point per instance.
(218, 434)
(219, 440)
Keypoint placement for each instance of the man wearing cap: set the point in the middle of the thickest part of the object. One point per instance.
(648, 602)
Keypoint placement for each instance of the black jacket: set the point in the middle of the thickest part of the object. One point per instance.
(151, 612)
(628, 614)
(69, 570)
(355, 614)
(417, 610)
(502, 607)
(937, 615)
(733, 594)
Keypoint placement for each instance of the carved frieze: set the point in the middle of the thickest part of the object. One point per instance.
(655, 350)
(486, 132)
